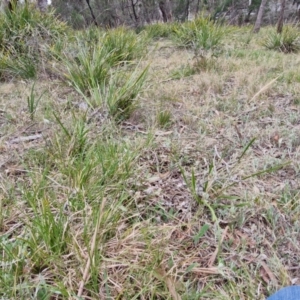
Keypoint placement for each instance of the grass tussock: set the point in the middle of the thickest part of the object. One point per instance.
(90, 67)
(124, 43)
(98, 71)
(286, 42)
(159, 30)
(144, 171)
(200, 34)
(25, 35)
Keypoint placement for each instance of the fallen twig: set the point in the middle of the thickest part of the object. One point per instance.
(28, 138)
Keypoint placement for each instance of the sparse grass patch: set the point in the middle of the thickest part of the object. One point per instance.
(32, 102)
(203, 62)
(296, 101)
(183, 71)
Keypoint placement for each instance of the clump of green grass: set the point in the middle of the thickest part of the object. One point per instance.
(201, 34)
(89, 68)
(120, 95)
(92, 35)
(124, 43)
(25, 34)
(32, 102)
(13, 65)
(288, 41)
(164, 119)
(56, 49)
(26, 25)
(203, 62)
(159, 30)
(101, 72)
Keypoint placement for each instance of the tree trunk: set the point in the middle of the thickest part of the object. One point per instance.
(165, 8)
(92, 13)
(134, 11)
(260, 16)
(187, 9)
(281, 17)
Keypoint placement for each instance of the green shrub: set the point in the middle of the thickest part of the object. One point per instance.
(288, 41)
(200, 34)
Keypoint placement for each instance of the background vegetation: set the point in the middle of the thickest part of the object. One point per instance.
(110, 13)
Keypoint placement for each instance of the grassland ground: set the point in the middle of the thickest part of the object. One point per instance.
(194, 196)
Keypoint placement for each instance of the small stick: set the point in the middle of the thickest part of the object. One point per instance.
(26, 138)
